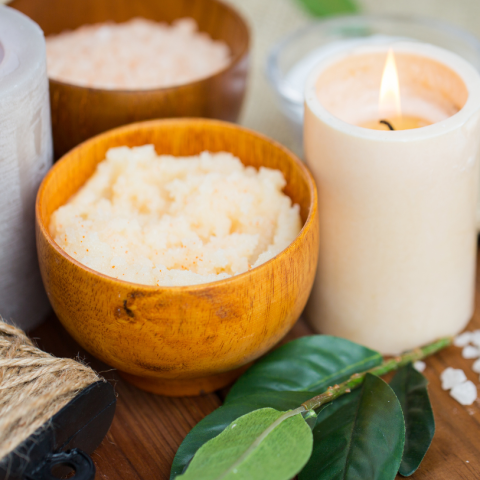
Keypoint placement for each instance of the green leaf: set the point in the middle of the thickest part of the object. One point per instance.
(213, 424)
(321, 8)
(262, 445)
(363, 439)
(306, 364)
(410, 387)
(330, 408)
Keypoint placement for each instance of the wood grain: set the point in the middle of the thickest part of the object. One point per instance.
(79, 113)
(179, 340)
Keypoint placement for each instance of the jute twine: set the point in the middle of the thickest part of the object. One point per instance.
(33, 386)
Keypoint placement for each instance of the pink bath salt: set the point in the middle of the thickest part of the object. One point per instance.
(138, 54)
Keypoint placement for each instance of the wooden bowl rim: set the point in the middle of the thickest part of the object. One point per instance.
(232, 64)
(312, 209)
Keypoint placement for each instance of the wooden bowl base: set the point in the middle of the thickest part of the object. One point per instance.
(184, 387)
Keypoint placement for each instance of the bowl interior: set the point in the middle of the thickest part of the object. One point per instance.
(219, 20)
(178, 137)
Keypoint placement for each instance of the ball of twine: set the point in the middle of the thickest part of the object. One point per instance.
(33, 386)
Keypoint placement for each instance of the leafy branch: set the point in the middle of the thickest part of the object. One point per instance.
(358, 378)
(258, 431)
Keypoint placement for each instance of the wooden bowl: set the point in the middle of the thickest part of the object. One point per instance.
(179, 340)
(79, 113)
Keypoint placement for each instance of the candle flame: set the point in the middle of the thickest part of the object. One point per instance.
(389, 101)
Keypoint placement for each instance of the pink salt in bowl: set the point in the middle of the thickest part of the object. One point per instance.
(80, 112)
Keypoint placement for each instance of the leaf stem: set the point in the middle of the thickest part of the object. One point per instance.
(387, 366)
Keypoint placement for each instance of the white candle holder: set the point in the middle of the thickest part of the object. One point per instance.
(397, 208)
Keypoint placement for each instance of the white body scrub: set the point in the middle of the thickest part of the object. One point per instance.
(163, 220)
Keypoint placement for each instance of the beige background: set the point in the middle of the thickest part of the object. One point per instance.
(272, 19)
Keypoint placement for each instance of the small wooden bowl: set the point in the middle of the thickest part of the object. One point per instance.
(179, 340)
(79, 113)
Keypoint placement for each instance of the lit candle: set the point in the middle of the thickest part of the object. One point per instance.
(25, 156)
(397, 208)
(389, 105)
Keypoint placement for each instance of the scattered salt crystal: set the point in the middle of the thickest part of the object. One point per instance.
(476, 338)
(419, 365)
(451, 377)
(464, 393)
(463, 339)
(476, 366)
(470, 352)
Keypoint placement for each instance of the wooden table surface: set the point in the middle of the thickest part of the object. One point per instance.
(147, 429)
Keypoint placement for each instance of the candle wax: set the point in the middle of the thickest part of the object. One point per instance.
(397, 233)
(404, 122)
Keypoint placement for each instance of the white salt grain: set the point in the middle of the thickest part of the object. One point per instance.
(463, 339)
(476, 366)
(476, 338)
(451, 377)
(470, 352)
(419, 365)
(138, 54)
(465, 393)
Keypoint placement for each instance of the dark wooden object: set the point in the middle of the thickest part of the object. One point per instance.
(79, 113)
(147, 429)
(66, 439)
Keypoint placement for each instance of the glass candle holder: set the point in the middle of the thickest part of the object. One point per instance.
(291, 60)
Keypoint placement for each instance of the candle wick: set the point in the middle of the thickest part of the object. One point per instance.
(388, 124)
